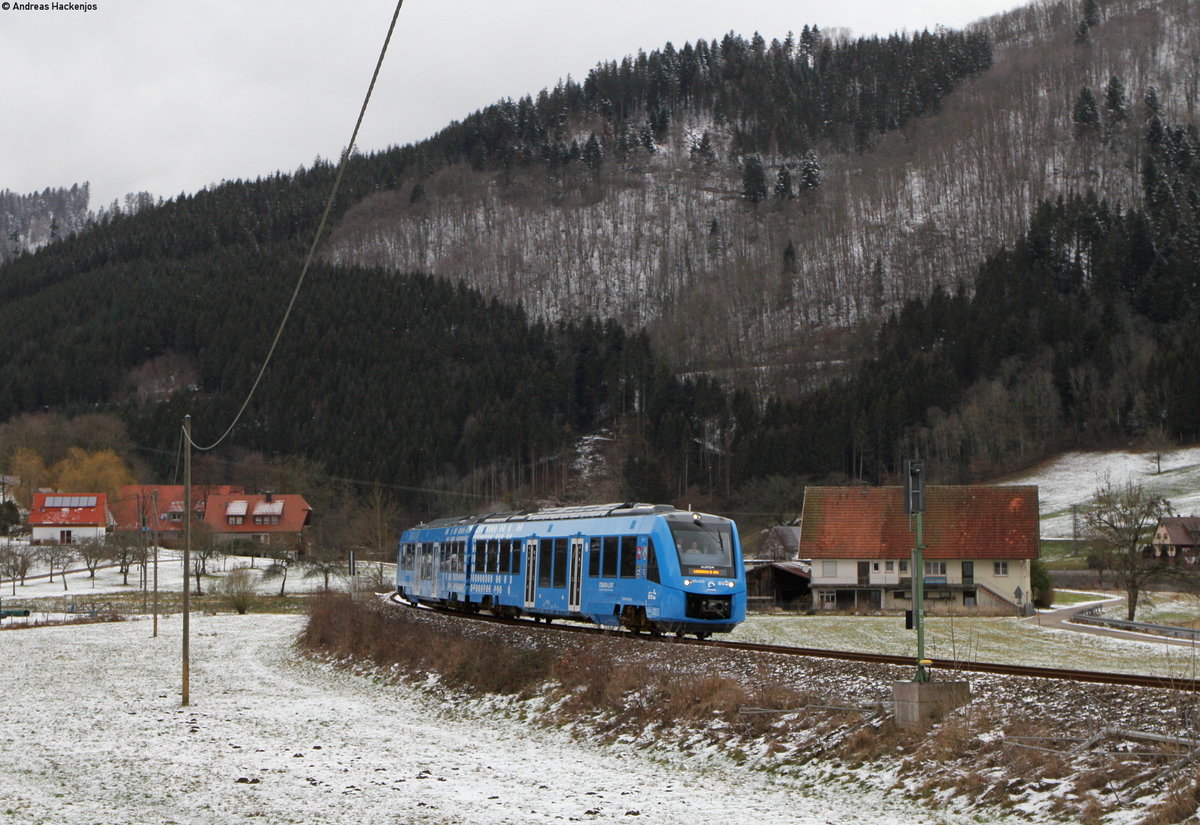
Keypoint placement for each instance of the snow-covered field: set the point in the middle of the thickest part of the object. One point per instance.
(1071, 478)
(971, 639)
(94, 733)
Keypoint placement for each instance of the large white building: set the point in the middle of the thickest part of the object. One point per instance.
(979, 543)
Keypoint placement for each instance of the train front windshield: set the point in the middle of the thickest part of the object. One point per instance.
(704, 549)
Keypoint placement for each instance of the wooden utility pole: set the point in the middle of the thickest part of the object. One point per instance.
(154, 541)
(187, 552)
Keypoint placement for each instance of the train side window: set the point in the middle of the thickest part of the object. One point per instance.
(594, 558)
(493, 555)
(505, 555)
(560, 563)
(480, 555)
(628, 557)
(545, 556)
(514, 560)
(652, 563)
(611, 548)
(461, 563)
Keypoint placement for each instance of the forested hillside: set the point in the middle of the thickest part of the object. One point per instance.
(925, 164)
(31, 221)
(1012, 252)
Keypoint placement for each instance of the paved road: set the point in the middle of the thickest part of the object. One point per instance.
(1061, 620)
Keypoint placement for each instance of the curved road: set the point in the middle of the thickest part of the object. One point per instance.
(1060, 619)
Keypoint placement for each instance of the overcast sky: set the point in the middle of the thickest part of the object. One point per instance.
(168, 96)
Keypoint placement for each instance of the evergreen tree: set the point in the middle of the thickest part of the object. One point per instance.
(754, 180)
(1091, 12)
(1116, 107)
(1085, 115)
(1083, 34)
(783, 183)
(810, 171)
(593, 154)
(702, 151)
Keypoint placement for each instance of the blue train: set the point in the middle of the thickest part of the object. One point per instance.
(645, 567)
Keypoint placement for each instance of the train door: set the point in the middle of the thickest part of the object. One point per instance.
(437, 566)
(531, 572)
(575, 576)
(425, 571)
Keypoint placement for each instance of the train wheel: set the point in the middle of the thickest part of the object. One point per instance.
(702, 636)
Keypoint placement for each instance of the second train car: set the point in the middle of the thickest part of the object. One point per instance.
(647, 567)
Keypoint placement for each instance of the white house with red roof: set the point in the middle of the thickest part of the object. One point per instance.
(69, 518)
(980, 542)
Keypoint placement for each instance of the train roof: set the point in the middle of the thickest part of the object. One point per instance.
(555, 514)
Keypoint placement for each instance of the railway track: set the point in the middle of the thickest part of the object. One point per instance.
(1095, 677)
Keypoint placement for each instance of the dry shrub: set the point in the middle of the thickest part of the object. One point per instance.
(951, 740)
(1180, 806)
(1091, 811)
(595, 680)
(971, 785)
(699, 697)
(345, 627)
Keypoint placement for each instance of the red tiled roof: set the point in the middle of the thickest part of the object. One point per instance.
(81, 510)
(293, 513)
(971, 522)
(135, 496)
(1182, 531)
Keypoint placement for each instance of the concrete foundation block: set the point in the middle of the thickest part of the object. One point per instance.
(920, 704)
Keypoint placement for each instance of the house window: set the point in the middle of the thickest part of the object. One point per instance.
(1000, 568)
(64, 536)
(235, 520)
(889, 566)
(828, 598)
(935, 568)
(266, 519)
(874, 567)
(903, 567)
(829, 569)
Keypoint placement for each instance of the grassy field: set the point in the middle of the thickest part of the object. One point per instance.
(974, 640)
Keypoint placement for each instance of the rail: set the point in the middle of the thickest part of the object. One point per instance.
(1094, 677)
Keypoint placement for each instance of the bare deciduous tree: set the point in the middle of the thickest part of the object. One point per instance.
(58, 555)
(1123, 516)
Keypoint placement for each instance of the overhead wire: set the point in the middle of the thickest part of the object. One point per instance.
(345, 158)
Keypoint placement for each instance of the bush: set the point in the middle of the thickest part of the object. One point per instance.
(1042, 584)
(238, 588)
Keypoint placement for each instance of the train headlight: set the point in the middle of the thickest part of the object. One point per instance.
(687, 582)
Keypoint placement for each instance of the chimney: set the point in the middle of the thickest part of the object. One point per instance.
(269, 494)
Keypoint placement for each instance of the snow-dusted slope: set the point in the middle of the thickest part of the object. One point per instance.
(93, 732)
(674, 246)
(1069, 481)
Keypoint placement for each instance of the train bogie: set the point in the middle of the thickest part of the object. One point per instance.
(643, 567)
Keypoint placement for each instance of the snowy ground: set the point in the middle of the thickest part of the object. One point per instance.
(1071, 478)
(94, 733)
(1003, 639)
(82, 588)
